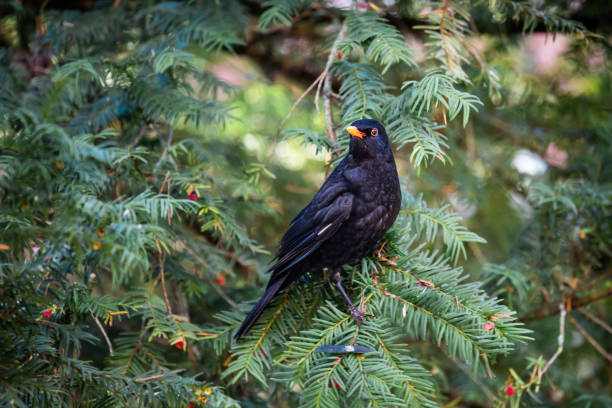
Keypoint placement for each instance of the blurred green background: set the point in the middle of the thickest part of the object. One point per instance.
(530, 172)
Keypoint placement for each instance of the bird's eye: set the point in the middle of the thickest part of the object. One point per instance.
(374, 132)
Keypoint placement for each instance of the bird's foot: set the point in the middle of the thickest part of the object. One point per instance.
(336, 279)
(380, 249)
(390, 261)
(358, 316)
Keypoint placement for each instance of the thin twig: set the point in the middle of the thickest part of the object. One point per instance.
(477, 251)
(327, 87)
(152, 377)
(595, 281)
(163, 282)
(228, 254)
(220, 292)
(136, 348)
(590, 339)
(282, 123)
(282, 27)
(168, 143)
(141, 133)
(595, 319)
(336, 96)
(490, 395)
(108, 342)
(560, 341)
(40, 28)
(168, 194)
(212, 283)
(161, 188)
(576, 302)
(472, 245)
(162, 274)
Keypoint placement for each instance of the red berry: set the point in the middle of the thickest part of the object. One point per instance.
(193, 195)
(220, 280)
(335, 384)
(47, 314)
(510, 391)
(488, 326)
(180, 345)
(339, 55)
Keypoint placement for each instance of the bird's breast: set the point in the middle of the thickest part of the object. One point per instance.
(375, 184)
(376, 203)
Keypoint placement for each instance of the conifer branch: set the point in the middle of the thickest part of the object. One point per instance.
(295, 105)
(595, 319)
(168, 143)
(560, 342)
(327, 86)
(576, 301)
(108, 342)
(162, 273)
(156, 376)
(590, 339)
(90, 228)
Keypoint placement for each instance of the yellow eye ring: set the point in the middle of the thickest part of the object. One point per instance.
(374, 132)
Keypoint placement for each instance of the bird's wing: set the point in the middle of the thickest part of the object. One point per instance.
(319, 221)
(315, 224)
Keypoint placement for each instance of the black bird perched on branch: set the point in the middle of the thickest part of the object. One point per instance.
(344, 221)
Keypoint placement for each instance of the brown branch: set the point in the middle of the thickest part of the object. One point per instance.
(560, 341)
(208, 278)
(472, 245)
(108, 342)
(136, 348)
(164, 154)
(576, 301)
(161, 189)
(228, 254)
(163, 282)
(220, 292)
(152, 377)
(590, 339)
(595, 281)
(139, 136)
(327, 87)
(490, 395)
(297, 102)
(162, 274)
(596, 319)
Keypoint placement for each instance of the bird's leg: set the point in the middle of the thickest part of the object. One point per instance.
(380, 249)
(336, 279)
(381, 258)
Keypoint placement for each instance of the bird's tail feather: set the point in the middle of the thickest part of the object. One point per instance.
(258, 309)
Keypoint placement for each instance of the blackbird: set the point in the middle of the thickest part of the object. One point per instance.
(347, 217)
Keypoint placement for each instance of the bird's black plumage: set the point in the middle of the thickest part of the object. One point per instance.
(351, 212)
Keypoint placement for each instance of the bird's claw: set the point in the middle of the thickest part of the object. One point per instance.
(380, 249)
(358, 316)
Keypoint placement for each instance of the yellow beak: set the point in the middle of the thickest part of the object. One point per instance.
(354, 132)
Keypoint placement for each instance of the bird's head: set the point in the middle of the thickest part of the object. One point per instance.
(368, 138)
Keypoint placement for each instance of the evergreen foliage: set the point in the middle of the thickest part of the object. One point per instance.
(127, 202)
